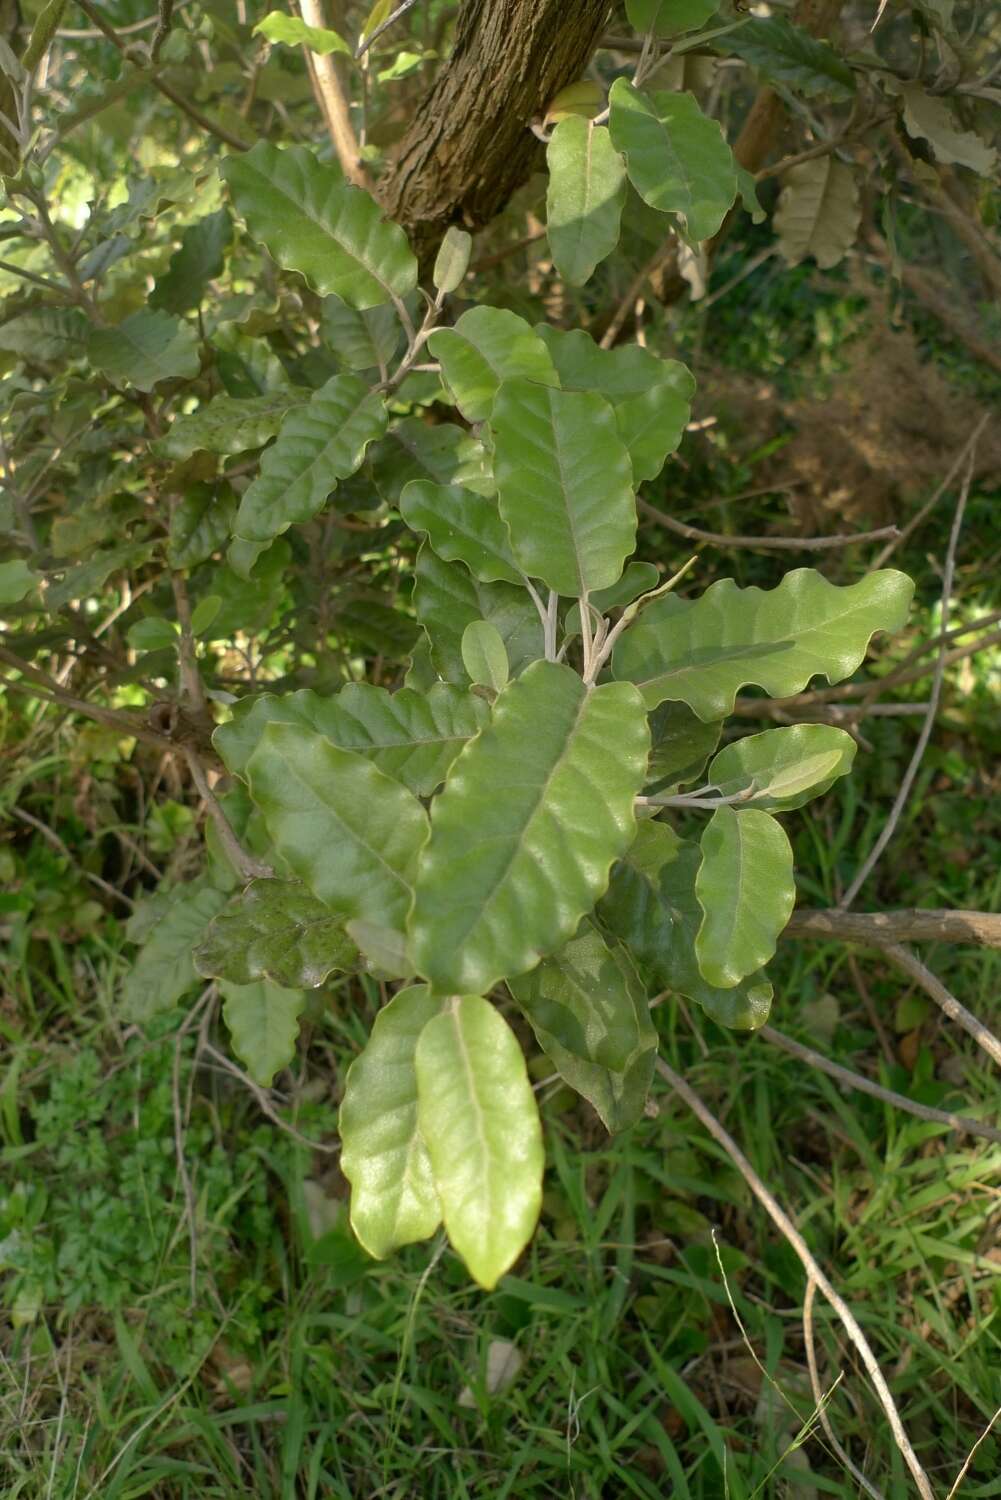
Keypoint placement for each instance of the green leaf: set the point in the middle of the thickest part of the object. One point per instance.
(748, 189)
(452, 260)
(293, 32)
(48, 333)
(204, 614)
(16, 581)
(564, 484)
(411, 736)
(480, 1123)
(533, 813)
(484, 655)
(651, 396)
(669, 17)
(152, 634)
(147, 348)
(818, 212)
(746, 890)
(226, 425)
(789, 55)
(652, 907)
(590, 1014)
(461, 526)
(200, 524)
(394, 1201)
(343, 826)
(786, 767)
(318, 444)
(487, 346)
(198, 261)
(364, 340)
(275, 930)
(263, 1023)
(703, 651)
(312, 222)
(90, 576)
(587, 188)
(681, 745)
(447, 599)
(677, 157)
(445, 454)
(164, 971)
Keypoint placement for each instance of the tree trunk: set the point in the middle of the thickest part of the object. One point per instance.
(469, 146)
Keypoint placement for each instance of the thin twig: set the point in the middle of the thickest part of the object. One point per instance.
(969, 1457)
(190, 1206)
(51, 837)
(866, 1086)
(799, 1245)
(192, 687)
(769, 543)
(390, 20)
(165, 15)
(929, 505)
(244, 865)
(818, 1393)
(332, 100)
(936, 990)
(900, 801)
(261, 1096)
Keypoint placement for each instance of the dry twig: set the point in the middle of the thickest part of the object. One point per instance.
(768, 543)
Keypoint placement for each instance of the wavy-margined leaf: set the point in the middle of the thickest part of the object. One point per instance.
(394, 1200)
(227, 425)
(669, 17)
(652, 907)
(461, 525)
(444, 454)
(587, 188)
(487, 346)
(651, 396)
(344, 827)
(193, 265)
(164, 971)
(200, 524)
(294, 32)
(263, 1023)
(703, 651)
(789, 55)
(364, 340)
(413, 737)
(16, 581)
(681, 744)
(591, 1017)
(785, 767)
(564, 485)
(275, 930)
(930, 118)
(477, 1114)
(533, 813)
(447, 599)
(318, 444)
(677, 157)
(148, 347)
(746, 891)
(311, 221)
(818, 212)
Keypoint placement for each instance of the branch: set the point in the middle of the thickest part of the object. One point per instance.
(877, 929)
(866, 1086)
(771, 543)
(38, 684)
(936, 990)
(245, 866)
(900, 801)
(810, 1265)
(332, 101)
(818, 1394)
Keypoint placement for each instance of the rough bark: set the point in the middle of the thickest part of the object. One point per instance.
(470, 146)
(979, 929)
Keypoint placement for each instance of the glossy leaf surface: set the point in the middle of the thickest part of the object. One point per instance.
(480, 1122)
(591, 1017)
(461, 526)
(746, 891)
(313, 222)
(703, 651)
(347, 830)
(447, 599)
(564, 483)
(146, 348)
(533, 813)
(275, 930)
(318, 444)
(394, 1200)
(786, 767)
(652, 907)
(487, 346)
